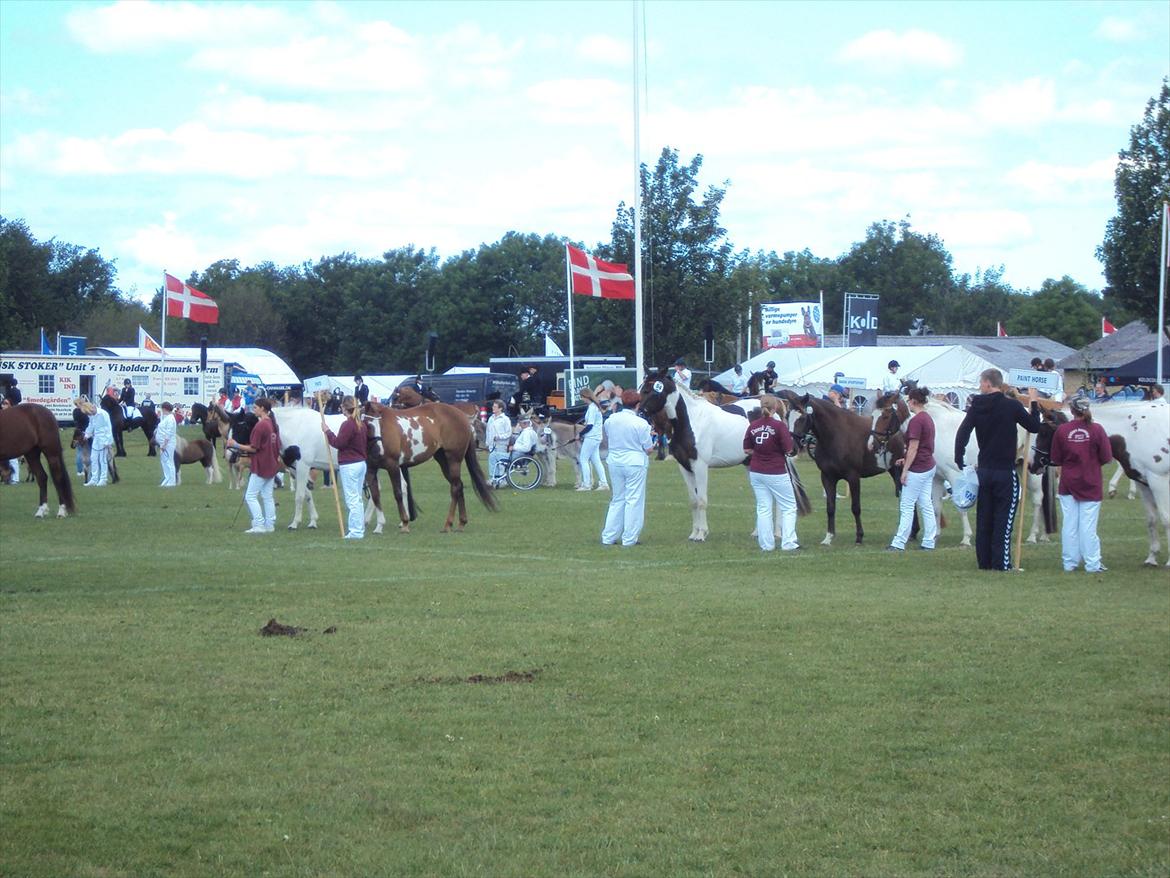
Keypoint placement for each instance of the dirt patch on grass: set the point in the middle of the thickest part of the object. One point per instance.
(276, 629)
(508, 677)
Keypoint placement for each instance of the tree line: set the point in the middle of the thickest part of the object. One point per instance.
(343, 313)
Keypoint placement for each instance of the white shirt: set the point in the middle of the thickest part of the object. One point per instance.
(891, 383)
(739, 384)
(629, 439)
(100, 429)
(683, 377)
(525, 442)
(499, 432)
(594, 419)
(164, 434)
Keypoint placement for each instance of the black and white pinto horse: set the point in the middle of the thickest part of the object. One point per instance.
(702, 436)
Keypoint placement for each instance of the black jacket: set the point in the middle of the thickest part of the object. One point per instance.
(361, 392)
(994, 417)
(127, 394)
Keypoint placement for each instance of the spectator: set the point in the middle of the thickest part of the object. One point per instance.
(1100, 394)
(13, 462)
(497, 437)
(1080, 447)
(838, 396)
(12, 392)
(250, 394)
(629, 449)
(917, 474)
(80, 422)
(768, 443)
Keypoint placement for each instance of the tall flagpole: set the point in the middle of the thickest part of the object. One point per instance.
(639, 351)
(569, 395)
(1162, 289)
(162, 376)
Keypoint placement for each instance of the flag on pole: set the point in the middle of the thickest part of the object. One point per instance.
(188, 303)
(594, 277)
(551, 348)
(1107, 328)
(1000, 332)
(46, 348)
(146, 343)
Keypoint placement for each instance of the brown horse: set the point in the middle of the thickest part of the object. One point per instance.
(199, 451)
(838, 442)
(406, 397)
(79, 441)
(432, 430)
(30, 430)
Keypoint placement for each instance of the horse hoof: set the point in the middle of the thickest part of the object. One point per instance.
(292, 527)
(62, 512)
(1031, 540)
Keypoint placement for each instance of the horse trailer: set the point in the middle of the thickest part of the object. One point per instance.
(55, 381)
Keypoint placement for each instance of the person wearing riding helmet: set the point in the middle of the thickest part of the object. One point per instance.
(1080, 447)
(127, 395)
(917, 474)
(891, 383)
(769, 376)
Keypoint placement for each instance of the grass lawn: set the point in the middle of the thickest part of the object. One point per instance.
(676, 709)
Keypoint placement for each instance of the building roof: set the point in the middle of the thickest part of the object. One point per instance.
(1012, 352)
(1116, 349)
(271, 369)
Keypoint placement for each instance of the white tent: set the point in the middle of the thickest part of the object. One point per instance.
(271, 369)
(381, 386)
(942, 368)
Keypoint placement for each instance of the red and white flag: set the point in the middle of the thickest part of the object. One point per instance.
(188, 303)
(146, 343)
(602, 280)
(1000, 332)
(1107, 328)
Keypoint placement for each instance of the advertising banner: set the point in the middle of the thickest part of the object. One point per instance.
(861, 320)
(71, 345)
(791, 325)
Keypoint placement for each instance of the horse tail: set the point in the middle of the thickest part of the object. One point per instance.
(61, 481)
(803, 505)
(1047, 507)
(478, 481)
(412, 509)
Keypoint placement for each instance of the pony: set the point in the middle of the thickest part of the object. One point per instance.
(702, 436)
(1145, 429)
(30, 430)
(79, 441)
(303, 448)
(199, 451)
(838, 442)
(238, 427)
(432, 430)
(406, 397)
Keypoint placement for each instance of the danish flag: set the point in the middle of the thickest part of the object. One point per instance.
(1107, 328)
(602, 280)
(188, 303)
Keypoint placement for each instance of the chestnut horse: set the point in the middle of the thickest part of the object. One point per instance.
(406, 397)
(30, 430)
(432, 430)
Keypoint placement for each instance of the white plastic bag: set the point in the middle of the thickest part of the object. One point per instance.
(965, 490)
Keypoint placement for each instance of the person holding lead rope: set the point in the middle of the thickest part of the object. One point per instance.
(350, 442)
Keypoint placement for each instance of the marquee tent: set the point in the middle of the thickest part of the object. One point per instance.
(381, 386)
(272, 371)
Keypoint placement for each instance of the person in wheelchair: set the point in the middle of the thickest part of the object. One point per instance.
(524, 442)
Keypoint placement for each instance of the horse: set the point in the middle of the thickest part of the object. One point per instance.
(79, 441)
(838, 442)
(117, 421)
(1145, 429)
(30, 430)
(432, 430)
(199, 451)
(701, 436)
(406, 397)
(238, 427)
(375, 460)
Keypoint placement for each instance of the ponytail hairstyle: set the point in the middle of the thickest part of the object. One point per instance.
(918, 394)
(1081, 409)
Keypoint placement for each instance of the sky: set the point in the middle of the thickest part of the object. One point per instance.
(171, 135)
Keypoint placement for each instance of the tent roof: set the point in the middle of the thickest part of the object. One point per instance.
(1127, 344)
(273, 371)
(381, 386)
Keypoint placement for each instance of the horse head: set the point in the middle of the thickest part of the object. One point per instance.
(659, 394)
(889, 414)
(1050, 419)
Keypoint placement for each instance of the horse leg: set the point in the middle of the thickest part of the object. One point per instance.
(698, 488)
(33, 462)
(300, 476)
(829, 483)
(1113, 482)
(395, 470)
(374, 502)
(1156, 495)
(854, 482)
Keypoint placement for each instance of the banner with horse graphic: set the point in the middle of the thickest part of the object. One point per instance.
(791, 325)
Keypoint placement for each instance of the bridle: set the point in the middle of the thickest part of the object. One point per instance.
(881, 438)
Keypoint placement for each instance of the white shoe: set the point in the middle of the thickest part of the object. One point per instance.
(256, 530)
(601, 488)
(354, 536)
(583, 488)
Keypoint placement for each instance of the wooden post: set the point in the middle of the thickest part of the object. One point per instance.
(1023, 498)
(329, 458)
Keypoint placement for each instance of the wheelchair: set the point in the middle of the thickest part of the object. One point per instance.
(523, 471)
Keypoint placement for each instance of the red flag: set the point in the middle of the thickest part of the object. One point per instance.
(1000, 332)
(602, 280)
(189, 303)
(1107, 328)
(146, 343)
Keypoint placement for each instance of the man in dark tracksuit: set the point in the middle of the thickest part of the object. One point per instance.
(994, 417)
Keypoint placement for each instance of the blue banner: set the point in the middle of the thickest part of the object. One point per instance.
(46, 348)
(71, 346)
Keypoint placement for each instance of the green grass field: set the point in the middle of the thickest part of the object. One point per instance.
(678, 709)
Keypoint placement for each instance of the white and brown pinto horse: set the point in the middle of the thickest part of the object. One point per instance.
(702, 436)
(436, 431)
(29, 430)
(199, 451)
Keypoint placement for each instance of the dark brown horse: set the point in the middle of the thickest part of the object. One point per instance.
(30, 430)
(433, 430)
(838, 442)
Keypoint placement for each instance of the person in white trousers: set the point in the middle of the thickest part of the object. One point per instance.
(498, 436)
(629, 458)
(166, 437)
(14, 462)
(590, 455)
(767, 442)
(350, 442)
(101, 432)
(917, 474)
(263, 446)
(1080, 447)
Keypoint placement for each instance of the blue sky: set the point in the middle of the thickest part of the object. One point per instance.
(172, 135)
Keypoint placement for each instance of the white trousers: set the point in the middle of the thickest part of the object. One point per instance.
(99, 466)
(166, 457)
(14, 465)
(627, 506)
(1078, 533)
(352, 476)
(774, 488)
(258, 496)
(591, 455)
(917, 491)
(496, 461)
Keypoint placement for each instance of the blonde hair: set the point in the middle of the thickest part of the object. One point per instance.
(772, 404)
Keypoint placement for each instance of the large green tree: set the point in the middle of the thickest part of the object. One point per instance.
(1062, 310)
(1132, 247)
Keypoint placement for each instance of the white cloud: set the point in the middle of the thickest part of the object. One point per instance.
(892, 51)
(602, 49)
(964, 229)
(1118, 30)
(142, 24)
(164, 245)
(1028, 103)
(1057, 183)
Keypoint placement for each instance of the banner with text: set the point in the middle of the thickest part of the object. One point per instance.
(791, 325)
(861, 320)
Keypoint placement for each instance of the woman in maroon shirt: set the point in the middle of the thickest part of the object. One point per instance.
(768, 443)
(264, 448)
(1081, 448)
(917, 474)
(350, 442)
